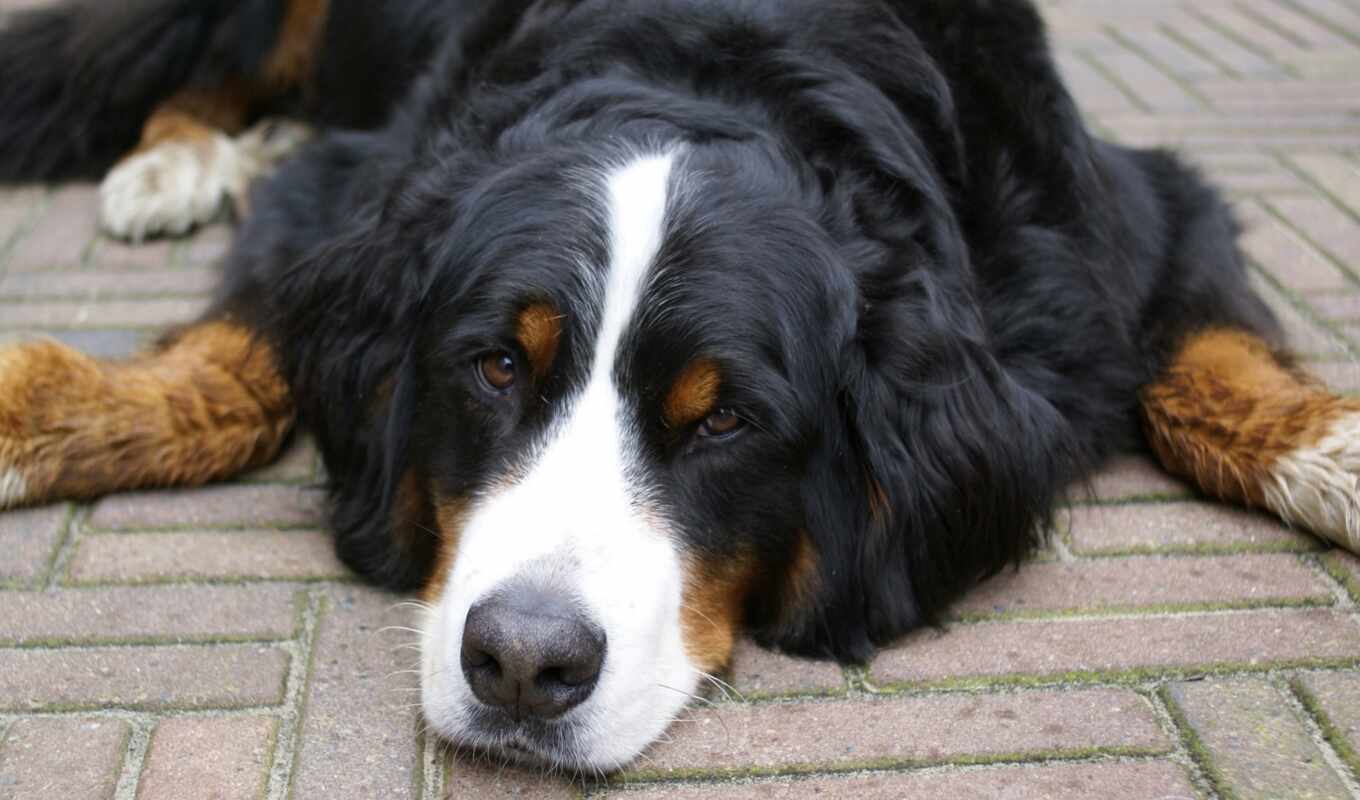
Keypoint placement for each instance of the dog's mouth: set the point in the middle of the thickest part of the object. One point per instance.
(531, 743)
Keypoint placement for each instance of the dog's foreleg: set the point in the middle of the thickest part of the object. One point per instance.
(1246, 426)
(205, 404)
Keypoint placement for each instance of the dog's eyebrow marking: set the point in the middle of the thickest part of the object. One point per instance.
(694, 395)
(539, 329)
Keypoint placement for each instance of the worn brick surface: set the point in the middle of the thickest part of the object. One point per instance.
(1257, 745)
(1148, 582)
(211, 507)
(187, 609)
(1056, 648)
(28, 540)
(760, 672)
(1129, 477)
(1144, 780)
(154, 613)
(1337, 695)
(906, 729)
(221, 676)
(214, 759)
(1179, 526)
(71, 759)
(358, 724)
(151, 557)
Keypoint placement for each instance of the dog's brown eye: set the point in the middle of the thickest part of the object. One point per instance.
(497, 370)
(723, 422)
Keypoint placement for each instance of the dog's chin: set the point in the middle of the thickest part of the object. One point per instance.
(552, 746)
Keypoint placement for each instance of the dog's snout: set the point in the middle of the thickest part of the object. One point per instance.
(531, 653)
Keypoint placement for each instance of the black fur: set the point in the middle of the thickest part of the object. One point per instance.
(921, 274)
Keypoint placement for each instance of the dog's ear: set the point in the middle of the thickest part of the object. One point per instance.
(937, 468)
(349, 311)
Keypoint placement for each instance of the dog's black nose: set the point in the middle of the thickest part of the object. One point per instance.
(531, 653)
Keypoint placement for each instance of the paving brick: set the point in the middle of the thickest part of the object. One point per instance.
(1256, 744)
(1324, 224)
(1128, 477)
(1152, 88)
(1275, 95)
(1192, 525)
(1286, 255)
(873, 731)
(101, 314)
(1064, 648)
(106, 283)
(757, 672)
(1305, 336)
(1111, 781)
(1340, 376)
(152, 678)
(211, 507)
(1346, 567)
(70, 759)
(113, 254)
(1093, 90)
(1337, 695)
(208, 247)
(1171, 54)
(1207, 38)
(359, 730)
(16, 208)
(1342, 306)
(102, 343)
(62, 234)
(29, 540)
(159, 613)
(297, 465)
(1340, 177)
(229, 555)
(221, 759)
(475, 777)
(1123, 583)
(1319, 23)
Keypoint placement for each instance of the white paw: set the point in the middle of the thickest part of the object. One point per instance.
(171, 188)
(1318, 487)
(13, 488)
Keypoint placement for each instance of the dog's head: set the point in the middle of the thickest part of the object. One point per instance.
(642, 396)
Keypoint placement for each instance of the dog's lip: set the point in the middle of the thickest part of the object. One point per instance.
(532, 741)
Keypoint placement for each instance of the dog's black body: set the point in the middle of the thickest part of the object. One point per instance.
(935, 295)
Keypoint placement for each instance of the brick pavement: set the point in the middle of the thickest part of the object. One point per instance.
(206, 643)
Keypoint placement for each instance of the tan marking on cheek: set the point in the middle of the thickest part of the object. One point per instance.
(539, 330)
(294, 57)
(450, 517)
(694, 395)
(712, 614)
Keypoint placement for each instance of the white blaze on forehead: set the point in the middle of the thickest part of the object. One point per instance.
(576, 520)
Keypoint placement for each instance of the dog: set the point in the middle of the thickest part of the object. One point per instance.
(627, 327)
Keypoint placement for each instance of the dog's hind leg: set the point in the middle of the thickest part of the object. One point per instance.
(206, 403)
(1244, 424)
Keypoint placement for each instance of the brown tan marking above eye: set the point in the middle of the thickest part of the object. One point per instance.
(539, 330)
(694, 395)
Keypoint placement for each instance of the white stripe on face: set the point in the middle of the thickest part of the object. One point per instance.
(578, 519)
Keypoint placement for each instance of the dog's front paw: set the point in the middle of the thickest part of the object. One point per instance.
(171, 188)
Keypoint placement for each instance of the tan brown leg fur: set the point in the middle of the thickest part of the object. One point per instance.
(1244, 426)
(206, 404)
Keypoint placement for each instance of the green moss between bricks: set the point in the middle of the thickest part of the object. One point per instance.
(1317, 601)
(884, 764)
(1195, 746)
(1330, 732)
(1301, 545)
(1331, 562)
(1127, 676)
